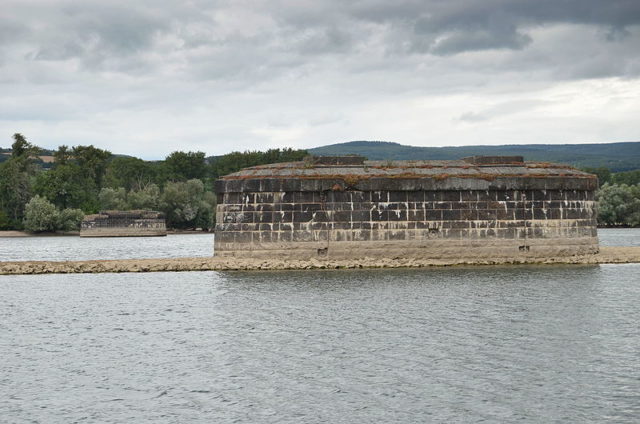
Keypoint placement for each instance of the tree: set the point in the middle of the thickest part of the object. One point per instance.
(186, 166)
(113, 199)
(619, 205)
(15, 191)
(40, 215)
(5, 222)
(206, 218)
(15, 180)
(146, 198)
(75, 179)
(92, 162)
(62, 156)
(68, 186)
(235, 161)
(604, 174)
(629, 178)
(185, 205)
(70, 219)
(130, 173)
(21, 148)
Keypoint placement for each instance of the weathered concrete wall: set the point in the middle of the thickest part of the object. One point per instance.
(123, 227)
(481, 206)
(415, 223)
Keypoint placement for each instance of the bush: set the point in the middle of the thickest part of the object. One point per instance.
(70, 219)
(188, 205)
(40, 215)
(619, 204)
(113, 199)
(206, 218)
(146, 198)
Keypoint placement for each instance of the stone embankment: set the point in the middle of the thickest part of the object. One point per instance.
(607, 255)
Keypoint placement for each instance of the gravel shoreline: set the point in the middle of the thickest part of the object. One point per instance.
(607, 255)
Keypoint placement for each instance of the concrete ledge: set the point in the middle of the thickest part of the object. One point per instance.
(607, 255)
(408, 183)
(436, 248)
(122, 233)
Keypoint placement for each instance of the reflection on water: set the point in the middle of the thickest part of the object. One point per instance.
(619, 236)
(495, 344)
(70, 248)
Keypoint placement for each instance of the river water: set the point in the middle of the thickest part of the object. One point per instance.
(548, 344)
(73, 248)
(173, 246)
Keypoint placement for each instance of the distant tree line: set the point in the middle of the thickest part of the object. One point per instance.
(85, 180)
(605, 176)
(618, 197)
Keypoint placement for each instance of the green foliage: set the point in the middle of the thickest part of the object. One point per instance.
(68, 186)
(145, 198)
(183, 166)
(628, 178)
(130, 173)
(206, 218)
(22, 149)
(75, 179)
(92, 162)
(233, 162)
(5, 222)
(619, 204)
(85, 179)
(15, 180)
(62, 156)
(113, 199)
(70, 219)
(15, 191)
(186, 206)
(118, 198)
(40, 215)
(604, 174)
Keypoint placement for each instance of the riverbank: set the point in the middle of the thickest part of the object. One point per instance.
(607, 255)
(13, 233)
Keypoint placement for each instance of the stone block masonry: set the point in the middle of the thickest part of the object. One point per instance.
(425, 209)
(124, 224)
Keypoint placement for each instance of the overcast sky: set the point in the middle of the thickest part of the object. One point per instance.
(149, 77)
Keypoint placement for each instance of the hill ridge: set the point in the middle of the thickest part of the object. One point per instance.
(617, 156)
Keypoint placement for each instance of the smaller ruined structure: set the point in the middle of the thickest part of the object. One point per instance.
(137, 223)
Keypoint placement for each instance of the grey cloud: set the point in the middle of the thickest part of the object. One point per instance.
(120, 36)
(11, 30)
(95, 32)
(220, 67)
(501, 110)
(480, 40)
(492, 24)
(326, 40)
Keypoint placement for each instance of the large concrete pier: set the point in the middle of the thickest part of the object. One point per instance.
(348, 208)
(607, 255)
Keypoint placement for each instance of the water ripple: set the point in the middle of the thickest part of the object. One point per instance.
(535, 344)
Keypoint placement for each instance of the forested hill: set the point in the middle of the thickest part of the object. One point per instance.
(615, 156)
